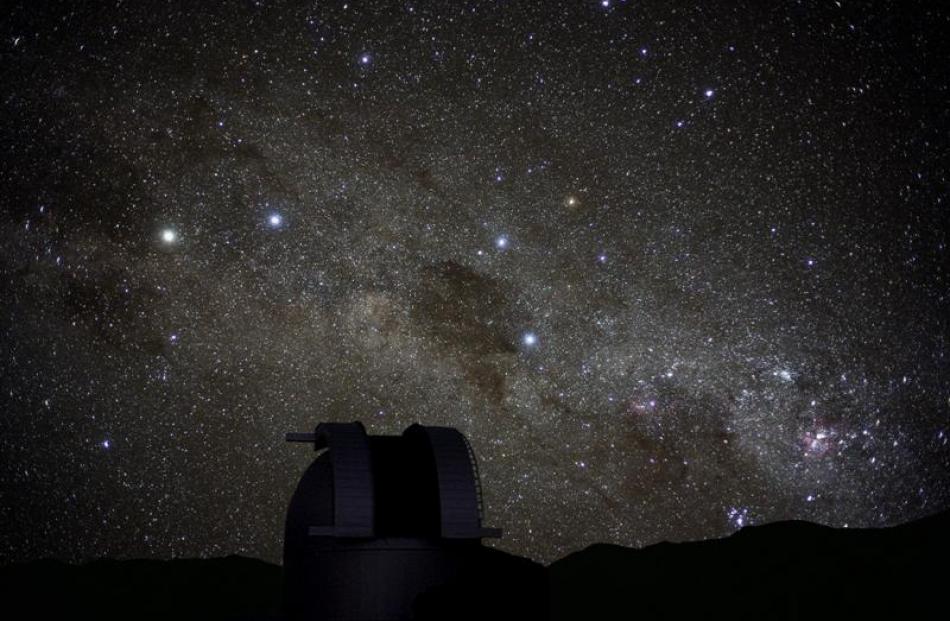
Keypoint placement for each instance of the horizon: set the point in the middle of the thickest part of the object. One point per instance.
(487, 543)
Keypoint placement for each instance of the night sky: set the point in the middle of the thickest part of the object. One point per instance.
(673, 269)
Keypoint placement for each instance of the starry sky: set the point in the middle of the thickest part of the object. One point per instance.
(673, 268)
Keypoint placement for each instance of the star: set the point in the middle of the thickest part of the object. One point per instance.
(530, 339)
(738, 516)
(817, 442)
(501, 242)
(169, 236)
(275, 220)
(783, 374)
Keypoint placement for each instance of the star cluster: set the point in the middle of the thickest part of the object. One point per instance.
(674, 269)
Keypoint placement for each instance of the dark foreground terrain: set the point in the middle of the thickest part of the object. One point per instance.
(787, 570)
(221, 588)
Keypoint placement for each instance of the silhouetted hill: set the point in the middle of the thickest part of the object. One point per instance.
(221, 588)
(785, 570)
(496, 586)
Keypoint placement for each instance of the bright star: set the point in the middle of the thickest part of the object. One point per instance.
(738, 516)
(275, 220)
(501, 242)
(530, 339)
(783, 374)
(105, 444)
(169, 236)
(365, 59)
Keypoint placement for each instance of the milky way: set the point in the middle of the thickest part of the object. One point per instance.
(672, 269)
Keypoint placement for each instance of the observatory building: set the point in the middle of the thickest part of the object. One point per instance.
(378, 520)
